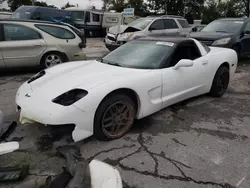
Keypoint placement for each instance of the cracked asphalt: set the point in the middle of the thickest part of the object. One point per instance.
(199, 143)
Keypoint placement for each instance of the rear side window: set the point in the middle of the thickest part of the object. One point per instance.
(96, 17)
(57, 32)
(205, 47)
(170, 24)
(184, 23)
(13, 32)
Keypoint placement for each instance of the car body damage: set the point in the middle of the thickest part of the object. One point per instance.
(82, 93)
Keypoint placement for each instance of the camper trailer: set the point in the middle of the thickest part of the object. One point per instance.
(93, 21)
(4, 15)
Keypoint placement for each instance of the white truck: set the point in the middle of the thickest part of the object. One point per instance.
(95, 22)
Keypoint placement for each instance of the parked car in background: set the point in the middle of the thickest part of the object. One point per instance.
(41, 13)
(103, 97)
(167, 25)
(227, 32)
(31, 43)
(197, 28)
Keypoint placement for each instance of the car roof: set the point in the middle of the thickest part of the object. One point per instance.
(234, 19)
(30, 21)
(166, 39)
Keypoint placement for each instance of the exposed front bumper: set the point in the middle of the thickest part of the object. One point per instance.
(34, 109)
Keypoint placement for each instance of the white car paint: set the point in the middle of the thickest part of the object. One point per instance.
(155, 89)
(8, 147)
(104, 176)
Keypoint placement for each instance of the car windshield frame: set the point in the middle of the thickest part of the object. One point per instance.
(224, 26)
(140, 54)
(141, 23)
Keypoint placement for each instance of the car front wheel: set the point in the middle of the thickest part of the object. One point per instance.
(52, 59)
(220, 82)
(114, 117)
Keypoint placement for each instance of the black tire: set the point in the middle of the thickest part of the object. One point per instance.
(59, 55)
(112, 102)
(220, 82)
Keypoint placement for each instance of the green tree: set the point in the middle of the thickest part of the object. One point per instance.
(14, 4)
(139, 6)
(216, 9)
(68, 5)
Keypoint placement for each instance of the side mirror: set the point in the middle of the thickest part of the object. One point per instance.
(151, 29)
(183, 63)
(194, 29)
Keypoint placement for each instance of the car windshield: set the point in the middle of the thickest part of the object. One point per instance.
(141, 23)
(77, 15)
(139, 54)
(23, 13)
(224, 26)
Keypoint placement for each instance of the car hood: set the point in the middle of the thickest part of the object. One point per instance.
(122, 29)
(83, 74)
(209, 35)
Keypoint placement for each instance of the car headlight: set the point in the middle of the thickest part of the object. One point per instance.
(126, 35)
(70, 97)
(221, 41)
(36, 76)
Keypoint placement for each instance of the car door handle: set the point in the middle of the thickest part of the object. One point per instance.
(204, 62)
(38, 45)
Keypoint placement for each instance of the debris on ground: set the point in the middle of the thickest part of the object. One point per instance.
(77, 166)
(60, 181)
(6, 128)
(12, 174)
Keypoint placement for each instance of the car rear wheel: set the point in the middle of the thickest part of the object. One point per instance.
(220, 82)
(114, 117)
(52, 59)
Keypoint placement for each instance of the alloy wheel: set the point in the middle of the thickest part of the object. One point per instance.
(117, 119)
(52, 60)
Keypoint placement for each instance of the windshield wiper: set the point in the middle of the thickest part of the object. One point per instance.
(114, 64)
(110, 63)
(221, 31)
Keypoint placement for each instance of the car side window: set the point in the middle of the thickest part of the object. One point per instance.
(187, 50)
(13, 32)
(247, 28)
(57, 32)
(170, 24)
(157, 25)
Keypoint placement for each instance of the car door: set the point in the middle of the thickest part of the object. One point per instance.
(171, 28)
(245, 40)
(185, 82)
(156, 28)
(2, 64)
(22, 45)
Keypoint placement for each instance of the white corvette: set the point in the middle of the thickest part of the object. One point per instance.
(103, 97)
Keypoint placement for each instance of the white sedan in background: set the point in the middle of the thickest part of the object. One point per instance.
(103, 97)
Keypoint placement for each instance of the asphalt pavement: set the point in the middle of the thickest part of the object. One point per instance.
(202, 142)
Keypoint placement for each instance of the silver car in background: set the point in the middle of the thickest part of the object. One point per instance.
(31, 43)
(167, 25)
